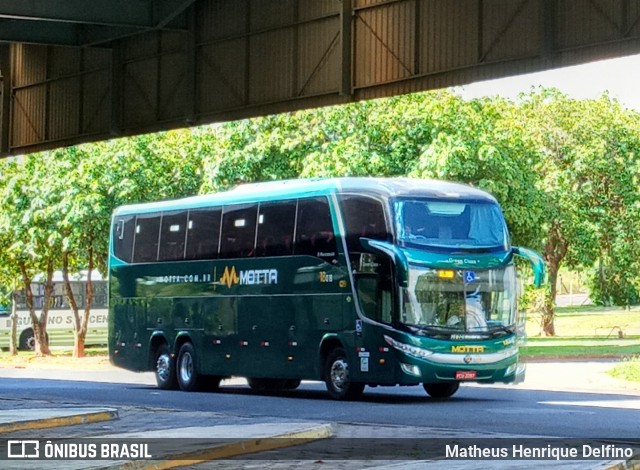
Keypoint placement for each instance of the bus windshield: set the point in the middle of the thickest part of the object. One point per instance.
(450, 224)
(458, 300)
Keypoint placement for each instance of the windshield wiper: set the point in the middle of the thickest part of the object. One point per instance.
(434, 329)
(502, 329)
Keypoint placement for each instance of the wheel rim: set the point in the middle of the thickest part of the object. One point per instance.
(163, 367)
(31, 343)
(186, 367)
(339, 374)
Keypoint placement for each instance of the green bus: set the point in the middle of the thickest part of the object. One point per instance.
(352, 281)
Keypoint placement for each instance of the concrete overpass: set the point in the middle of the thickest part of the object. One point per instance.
(76, 70)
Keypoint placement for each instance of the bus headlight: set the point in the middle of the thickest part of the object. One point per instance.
(408, 349)
(410, 369)
(511, 370)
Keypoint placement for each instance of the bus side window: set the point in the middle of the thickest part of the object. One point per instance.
(364, 217)
(203, 234)
(314, 230)
(147, 233)
(123, 237)
(238, 231)
(172, 236)
(275, 228)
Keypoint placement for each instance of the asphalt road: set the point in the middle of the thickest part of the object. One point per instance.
(483, 410)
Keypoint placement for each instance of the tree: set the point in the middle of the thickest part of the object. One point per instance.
(28, 222)
(375, 138)
(589, 176)
(57, 208)
(94, 179)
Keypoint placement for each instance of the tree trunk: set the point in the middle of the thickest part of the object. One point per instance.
(13, 337)
(39, 325)
(40, 333)
(548, 310)
(88, 300)
(554, 252)
(78, 333)
(78, 345)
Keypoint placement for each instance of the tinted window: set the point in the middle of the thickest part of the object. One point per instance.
(146, 238)
(275, 228)
(363, 217)
(238, 231)
(203, 234)
(172, 236)
(314, 230)
(123, 237)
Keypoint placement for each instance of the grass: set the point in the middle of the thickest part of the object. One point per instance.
(590, 332)
(605, 349)
(586, 332)
(628, 370)
(590, 321)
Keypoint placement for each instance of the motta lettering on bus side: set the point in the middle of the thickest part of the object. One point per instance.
(249, 277)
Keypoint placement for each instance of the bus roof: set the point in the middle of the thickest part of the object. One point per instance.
(295, 188)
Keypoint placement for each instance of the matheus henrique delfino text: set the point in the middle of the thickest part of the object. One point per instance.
(559, 451)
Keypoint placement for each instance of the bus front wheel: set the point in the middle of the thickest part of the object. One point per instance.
(186, 368)
(165, 369)
(337, 379)
(441, 390)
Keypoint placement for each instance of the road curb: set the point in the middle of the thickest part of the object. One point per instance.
(230, 450)
(56, 420)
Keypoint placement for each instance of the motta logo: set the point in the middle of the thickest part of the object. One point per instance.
(229, 276)
(467, 349)
(248, 277)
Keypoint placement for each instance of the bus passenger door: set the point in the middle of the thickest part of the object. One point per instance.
(374, 290)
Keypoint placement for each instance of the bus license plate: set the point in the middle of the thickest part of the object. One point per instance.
(466, 374)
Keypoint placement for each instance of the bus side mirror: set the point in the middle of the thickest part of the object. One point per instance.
(398, 258)
(536, 262)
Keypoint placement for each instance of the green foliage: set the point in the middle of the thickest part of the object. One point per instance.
(57, 205)
(629, 369)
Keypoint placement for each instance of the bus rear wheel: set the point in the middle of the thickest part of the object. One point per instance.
(165, 369)
(337, 377)
(441, 390)
(186, 368)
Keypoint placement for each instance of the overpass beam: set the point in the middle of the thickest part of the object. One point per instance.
(5, 102)
(346, 25)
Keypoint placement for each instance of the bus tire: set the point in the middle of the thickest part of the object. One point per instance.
(165, 368)
(186, 368)
(441, 390)
(27, 340)
(336, 376)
